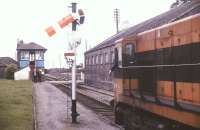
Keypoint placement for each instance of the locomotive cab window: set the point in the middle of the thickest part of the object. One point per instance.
(129, 49)
(129, 54)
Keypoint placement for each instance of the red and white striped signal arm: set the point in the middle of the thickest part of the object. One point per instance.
(66, 21)
(62, 23)
(50, 31)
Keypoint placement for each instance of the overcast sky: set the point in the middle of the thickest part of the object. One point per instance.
(28, 19)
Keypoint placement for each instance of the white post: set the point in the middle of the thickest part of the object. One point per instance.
(74, 112)
(74, 75)
(74, 23)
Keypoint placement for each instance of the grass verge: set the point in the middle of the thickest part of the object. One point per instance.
(16, 105)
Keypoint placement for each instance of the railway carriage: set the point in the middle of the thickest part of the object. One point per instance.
(157, 77)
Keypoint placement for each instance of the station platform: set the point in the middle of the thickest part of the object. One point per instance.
(54, 113)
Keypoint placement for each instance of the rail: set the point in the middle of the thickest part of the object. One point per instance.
(100, 95)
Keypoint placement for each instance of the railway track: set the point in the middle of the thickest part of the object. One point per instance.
(50, 78)
(99, 101)
(104, 111)
(100, 95)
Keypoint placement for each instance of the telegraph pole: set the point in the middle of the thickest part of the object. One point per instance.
(116, 18)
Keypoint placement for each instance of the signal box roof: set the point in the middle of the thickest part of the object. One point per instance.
(30, 46)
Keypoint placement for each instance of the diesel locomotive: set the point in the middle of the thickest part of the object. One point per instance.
(157, 77)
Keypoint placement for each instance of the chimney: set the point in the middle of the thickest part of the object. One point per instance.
(19, 42)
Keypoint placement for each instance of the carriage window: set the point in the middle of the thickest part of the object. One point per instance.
(112, 57)
(106, 57)
(101, 58)
(97, 59)
(88, 60)
(93, 60)
(119, 56)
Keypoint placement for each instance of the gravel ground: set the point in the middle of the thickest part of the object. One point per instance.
(51, 112)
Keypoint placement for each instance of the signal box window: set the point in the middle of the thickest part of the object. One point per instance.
(32, 57)
(39, 55)
(24, 55)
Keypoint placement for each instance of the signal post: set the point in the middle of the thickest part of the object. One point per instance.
(51, 31)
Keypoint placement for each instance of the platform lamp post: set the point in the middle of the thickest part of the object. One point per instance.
(51, 31)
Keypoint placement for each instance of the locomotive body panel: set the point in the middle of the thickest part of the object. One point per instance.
(164, 75)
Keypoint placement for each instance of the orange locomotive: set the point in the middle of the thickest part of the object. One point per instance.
(157, 77)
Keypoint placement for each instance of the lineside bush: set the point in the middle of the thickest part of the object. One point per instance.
(10, 70)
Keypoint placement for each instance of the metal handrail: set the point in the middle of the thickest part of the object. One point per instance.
(157, 66)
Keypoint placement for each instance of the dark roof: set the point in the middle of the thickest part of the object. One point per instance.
(184, 10)
(30, 46)
(6, 61)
